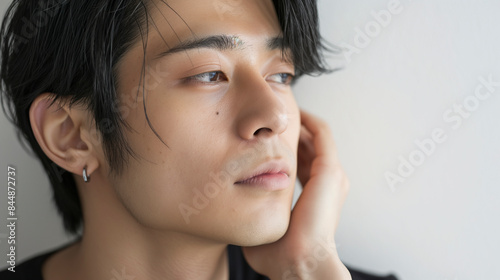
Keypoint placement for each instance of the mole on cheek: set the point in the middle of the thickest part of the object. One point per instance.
(217, 113)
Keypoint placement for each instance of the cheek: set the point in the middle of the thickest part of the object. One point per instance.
(155, 186)
(293, 130)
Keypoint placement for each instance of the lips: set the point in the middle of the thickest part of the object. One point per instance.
(271, 175)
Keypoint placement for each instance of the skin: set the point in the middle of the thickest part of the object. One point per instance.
(218, 113)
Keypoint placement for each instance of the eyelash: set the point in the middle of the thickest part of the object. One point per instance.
(198, 78)
(288, 78)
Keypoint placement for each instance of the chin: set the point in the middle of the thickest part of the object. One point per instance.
(268, 229)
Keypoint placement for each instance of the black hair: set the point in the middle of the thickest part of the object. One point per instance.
(73, 48)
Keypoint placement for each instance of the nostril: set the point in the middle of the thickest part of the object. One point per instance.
(260, 129)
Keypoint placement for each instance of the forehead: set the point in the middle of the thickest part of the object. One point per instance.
(174, 22)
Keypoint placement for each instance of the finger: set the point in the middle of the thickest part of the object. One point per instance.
(305, 157)
(323, 142)
(306, 141)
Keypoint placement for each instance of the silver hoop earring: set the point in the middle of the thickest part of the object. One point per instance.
(86, 177)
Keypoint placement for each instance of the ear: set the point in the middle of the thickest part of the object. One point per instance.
(64, 134)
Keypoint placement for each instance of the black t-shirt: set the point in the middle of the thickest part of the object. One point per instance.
(238, 269)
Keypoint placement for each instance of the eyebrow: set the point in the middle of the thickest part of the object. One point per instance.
(220, 43)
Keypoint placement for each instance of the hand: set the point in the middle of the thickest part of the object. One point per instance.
(307, 250)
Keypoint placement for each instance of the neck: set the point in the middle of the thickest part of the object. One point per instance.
(115, 246)
(151, 256)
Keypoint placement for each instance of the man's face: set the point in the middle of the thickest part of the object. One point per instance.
(220, 109)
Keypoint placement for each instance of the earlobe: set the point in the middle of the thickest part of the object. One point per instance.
(58, 130)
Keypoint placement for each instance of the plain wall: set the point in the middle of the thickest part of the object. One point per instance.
(404, 77)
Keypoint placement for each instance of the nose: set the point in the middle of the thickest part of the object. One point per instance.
(263, 112)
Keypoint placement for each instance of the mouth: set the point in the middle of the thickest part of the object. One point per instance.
(271, 175)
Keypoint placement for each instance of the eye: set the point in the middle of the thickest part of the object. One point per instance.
(208, 77)
(281, 78)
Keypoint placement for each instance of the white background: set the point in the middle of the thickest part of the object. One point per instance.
(442, 222)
